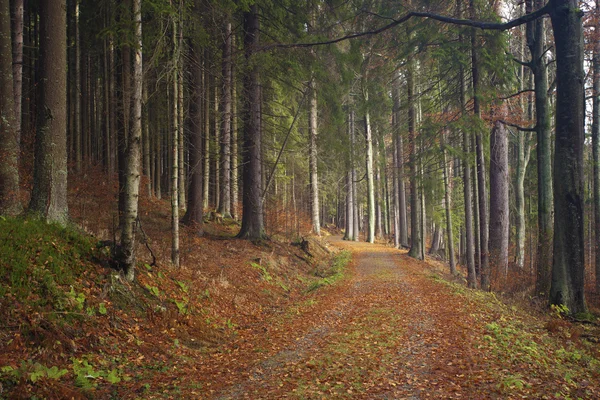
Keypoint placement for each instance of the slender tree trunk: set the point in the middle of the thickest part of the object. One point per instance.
(207, 167)
(77, 131)
(234, 143)
(378, 221)
(370, 180)
(448, 209)
(225, 139)
(180, 115)
(252, 218)
(175, 150)
(396, 187)
(49, 194)
(499, 201)
(596, 146)
(402, 215)
(567, 287)
(314, 177)
(17, 62)
(416, 234)
(10, 203)
(355, 213)
(481, 165)
(127, 257)
(146, 139)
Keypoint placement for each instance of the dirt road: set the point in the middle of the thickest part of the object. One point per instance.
(391, 330)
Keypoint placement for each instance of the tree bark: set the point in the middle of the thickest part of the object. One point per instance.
(536, 43)
(175, 149)
(499, 201)
(314, 176)
(399, 166)
(17, 62)
(567, 287)
(49, 194)
(370, 180)
(10, 203)
(416, 239)
(596, 146)
(234, 143)
(448, 209)
(481, 165)
(225, 139)
(194, 214)
(127, 256)
(252, 203)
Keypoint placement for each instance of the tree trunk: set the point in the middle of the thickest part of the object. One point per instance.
(234, 143)
(355, 212)
(416, 239)
(536, 43)
(395, 186)
(567, 287)
(399, 166)
(499, 201)
(481, 165)
(127, 257)
(314, 177)
(17, 62)
(194, 214)
(252, 217)
(10, 203)
(175, 150)
(49, 194)
(225, 139)
(596, 147)
(378, 221)
(207, 167)
(448, 209)
(370, 180)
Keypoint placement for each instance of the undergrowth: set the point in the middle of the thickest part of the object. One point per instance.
(333, 272)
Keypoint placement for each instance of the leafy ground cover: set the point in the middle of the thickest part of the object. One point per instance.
(271, 320)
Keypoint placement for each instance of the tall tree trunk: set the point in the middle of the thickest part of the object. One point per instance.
(567, 287)
(10, 203)
(481, 165)
(499, 202)
(536, 43)
(312, 157)
(175, 149)
(355, 213)
(370, 180)
(49, 194)
(448, 208)
(596, 147)
(127, 257)
(395, 186)
(77, 131)
(207, 167)
(467, 180)
(378, 221)
(17, 62)
(194, 214)
(416, 234)
(252, 217)
(399, 166)
(181, 112)
(225, 139)
(234, 143)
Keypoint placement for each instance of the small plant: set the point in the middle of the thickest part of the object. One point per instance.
(559, 310)
(263, 270)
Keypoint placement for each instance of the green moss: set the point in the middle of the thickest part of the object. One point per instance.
(40, 262)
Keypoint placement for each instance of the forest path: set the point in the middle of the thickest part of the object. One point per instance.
(389, 331)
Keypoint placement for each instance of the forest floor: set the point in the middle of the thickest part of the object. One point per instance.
(310, 319)
(394, 329)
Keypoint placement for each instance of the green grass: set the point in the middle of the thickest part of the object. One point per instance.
(332, 273)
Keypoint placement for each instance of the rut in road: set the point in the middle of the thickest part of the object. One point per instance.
(390, 332)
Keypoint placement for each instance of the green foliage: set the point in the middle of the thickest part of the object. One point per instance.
(31, 372)
(263, 271)
(333, 273)
(40, 263)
